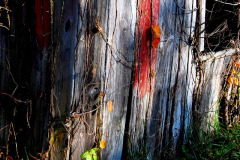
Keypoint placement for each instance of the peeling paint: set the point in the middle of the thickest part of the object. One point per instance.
(146, 56)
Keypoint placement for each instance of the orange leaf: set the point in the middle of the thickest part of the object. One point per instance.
(75, 115)
(230, 80)
(235, 81)
(102, 144)
(94, 72)
(110, 106)
(155, 42)
(237, 64)
(156, 31)
(41, 95)
(101, 94)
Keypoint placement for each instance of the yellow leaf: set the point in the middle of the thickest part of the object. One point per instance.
(156, 31)
(102, 144)
(230, 80)
(51, 140)
(235, 81)
(110, 106)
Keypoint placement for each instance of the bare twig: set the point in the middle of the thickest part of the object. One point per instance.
(9, 70)
(15, 137)
(232, 4)
(112, 47)
(33, 156)
(15, 99)
(3, 128)
(219, 29)
(1, 25)
(28, 115)
(27, 102)
(80, 114)
(5, 8)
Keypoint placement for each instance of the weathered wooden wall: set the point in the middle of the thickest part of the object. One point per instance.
(172, 101)
(73, 57)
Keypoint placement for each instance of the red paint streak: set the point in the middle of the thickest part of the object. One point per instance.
(145, 65)
(42, 9)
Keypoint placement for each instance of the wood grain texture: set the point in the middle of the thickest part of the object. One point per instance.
(76, 56)
(164, 116)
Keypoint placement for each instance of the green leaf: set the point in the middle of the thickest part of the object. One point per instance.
(90, 154)
(89, 157)
(85, 154)
(94, 153)
(95, 156)
(94, 150)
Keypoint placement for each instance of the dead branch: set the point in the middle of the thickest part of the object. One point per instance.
(15, 137)
(4, 127)
(9, 70)
(232, 4)
(15, 99)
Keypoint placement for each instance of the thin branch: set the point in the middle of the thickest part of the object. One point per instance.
(15, 99)
(5, 8)
(219, 29)
(15, 137)
(80, 114)
(1, 25)
(113, 48)
(232, 4)
(4, 127)
(9, 70)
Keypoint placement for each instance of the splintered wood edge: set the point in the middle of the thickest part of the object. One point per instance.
(212, 55)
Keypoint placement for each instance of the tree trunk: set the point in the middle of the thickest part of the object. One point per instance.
(77, 73)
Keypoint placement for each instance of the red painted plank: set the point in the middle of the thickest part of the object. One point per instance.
(145, 65)
(42, 10)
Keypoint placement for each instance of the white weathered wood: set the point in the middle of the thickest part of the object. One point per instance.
(202, 13)
(120, 30)
(219, 54)
(213, 71)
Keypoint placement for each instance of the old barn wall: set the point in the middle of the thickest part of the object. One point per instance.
(88, 54)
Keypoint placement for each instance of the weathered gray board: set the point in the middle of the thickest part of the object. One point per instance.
(103, 52)
(170, 105)
(85, 61)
